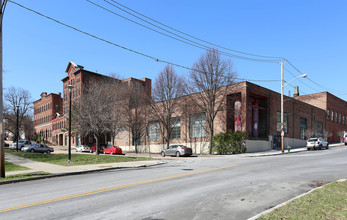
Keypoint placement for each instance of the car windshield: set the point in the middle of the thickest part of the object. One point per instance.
(312, 140)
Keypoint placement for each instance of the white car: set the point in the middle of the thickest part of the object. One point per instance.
(21, 143)
(317, 143)
(83, 148)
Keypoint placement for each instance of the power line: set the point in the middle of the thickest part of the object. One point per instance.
(250, 54)
(186, 40)
(117, 45)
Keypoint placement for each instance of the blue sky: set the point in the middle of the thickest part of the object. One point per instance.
(310, 34)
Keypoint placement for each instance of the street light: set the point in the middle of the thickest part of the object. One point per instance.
(70, 87)
(282, 86)
(17, 128)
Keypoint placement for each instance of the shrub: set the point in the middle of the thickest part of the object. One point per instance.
(229, 142)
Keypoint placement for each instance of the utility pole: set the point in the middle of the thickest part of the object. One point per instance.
(2, 148)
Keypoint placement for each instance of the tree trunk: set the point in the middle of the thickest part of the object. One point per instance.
(211, 138)
(97, 144)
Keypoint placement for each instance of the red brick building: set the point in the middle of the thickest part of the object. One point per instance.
(248, 107)
(55, 127)
(336, 112)
(46, 108)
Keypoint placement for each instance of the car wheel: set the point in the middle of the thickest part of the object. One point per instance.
(111, 153)
(320, 147)
(48, 152)
(90, 151)
(178, 154)
(308, 148)
(163, 154)
(32, 151)
(327, 147)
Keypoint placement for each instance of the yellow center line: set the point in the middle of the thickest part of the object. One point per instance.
(109, 189)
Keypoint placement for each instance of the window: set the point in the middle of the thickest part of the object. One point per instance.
(175, 124)
(303, 127)
(340, 118)
(86, 79)
(197, 126)
(319, 129)
(344, 119)
(328, 114)
(153, 131)
(285, 122)
(332, 116)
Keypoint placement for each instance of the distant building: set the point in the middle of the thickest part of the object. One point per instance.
(53, 124)
(45, 109)
(336, 112)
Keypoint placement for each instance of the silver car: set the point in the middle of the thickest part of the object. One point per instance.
(177, 150)
(83, 148)
(317, 143)
(21, 144)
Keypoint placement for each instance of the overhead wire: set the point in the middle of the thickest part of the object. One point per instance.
(185, 40)
(250, 54)
(120, 46)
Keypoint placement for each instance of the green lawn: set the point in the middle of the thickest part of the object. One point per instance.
(328, 202)
(23, 176)
(13, 167)
(76, 159)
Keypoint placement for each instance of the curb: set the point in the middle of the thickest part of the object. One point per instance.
(74, 173)
(285, 203)
(285, 153)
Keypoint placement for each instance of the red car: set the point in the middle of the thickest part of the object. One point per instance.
(101, 148)
(111, 149)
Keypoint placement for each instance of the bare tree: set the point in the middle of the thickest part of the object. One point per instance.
(168, 88)
(210, 79)
(94, 114)
(16, 97)
(134, 111)
(28, 127)
(310, 133)
(341, 134)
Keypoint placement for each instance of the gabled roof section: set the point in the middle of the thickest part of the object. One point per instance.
(76, 67)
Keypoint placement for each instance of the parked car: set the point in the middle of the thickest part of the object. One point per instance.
(83, 148)
(38, 148)
(101, 148)
(317, 143)
(111, 149)
(345, 138)
(177, 150)
(21, 144)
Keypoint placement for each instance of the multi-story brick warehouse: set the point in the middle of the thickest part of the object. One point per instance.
(248, 107)
(336, 112)
(45, 108)
(56, 123)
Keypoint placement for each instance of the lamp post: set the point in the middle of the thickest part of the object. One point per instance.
(282, 87)
(70, 87)
(17, 128)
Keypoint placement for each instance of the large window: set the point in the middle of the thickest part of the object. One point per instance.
(285, 122)
(197, 126)
(153, 131)
(175, 124)
(303, 127)
(319, 129)
(332, 115)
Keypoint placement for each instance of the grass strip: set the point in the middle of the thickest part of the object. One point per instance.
(23, 176)
(13, 167)
(76, 159)
(328, 202)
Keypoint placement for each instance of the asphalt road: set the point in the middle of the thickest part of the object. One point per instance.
(231, 187)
